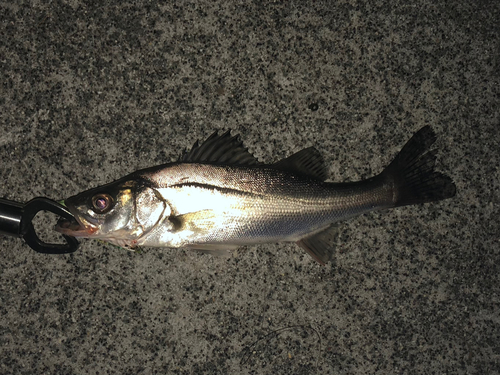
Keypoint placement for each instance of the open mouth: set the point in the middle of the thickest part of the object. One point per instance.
(69, 227)
(74, 227)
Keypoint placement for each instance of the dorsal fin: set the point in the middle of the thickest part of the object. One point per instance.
(307, 162)
(220, 149)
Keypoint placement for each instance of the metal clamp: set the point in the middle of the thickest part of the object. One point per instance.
(16, 220)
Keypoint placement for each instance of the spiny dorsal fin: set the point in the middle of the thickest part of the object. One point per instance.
(220, 149)
(307, 162)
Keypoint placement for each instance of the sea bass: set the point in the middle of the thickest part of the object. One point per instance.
(218, 197)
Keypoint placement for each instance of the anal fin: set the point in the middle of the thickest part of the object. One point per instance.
(321, 246)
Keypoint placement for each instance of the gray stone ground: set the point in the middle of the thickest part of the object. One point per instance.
(91, 91)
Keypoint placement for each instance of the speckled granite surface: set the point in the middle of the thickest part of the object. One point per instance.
(91, 91)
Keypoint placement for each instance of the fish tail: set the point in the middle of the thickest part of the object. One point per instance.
(412, 172)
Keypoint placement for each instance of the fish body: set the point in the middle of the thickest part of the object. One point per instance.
(218, 197)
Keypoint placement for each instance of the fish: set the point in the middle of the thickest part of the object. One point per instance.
(217, 197)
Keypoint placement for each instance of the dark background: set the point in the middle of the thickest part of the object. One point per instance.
(91, 91)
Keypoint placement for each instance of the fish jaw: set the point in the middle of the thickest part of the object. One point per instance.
(79, 227)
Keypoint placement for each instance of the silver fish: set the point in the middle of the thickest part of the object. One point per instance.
(218, 197)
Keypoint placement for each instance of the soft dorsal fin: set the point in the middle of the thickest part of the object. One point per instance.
(307, 162)
(220, 149)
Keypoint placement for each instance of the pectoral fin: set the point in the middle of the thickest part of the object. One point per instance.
(202, 222)
(321, 246)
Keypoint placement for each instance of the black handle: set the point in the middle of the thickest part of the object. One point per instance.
(11, 214)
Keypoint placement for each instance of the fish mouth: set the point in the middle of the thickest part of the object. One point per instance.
(76, 227)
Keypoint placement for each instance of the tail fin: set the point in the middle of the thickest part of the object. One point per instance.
(413, 175)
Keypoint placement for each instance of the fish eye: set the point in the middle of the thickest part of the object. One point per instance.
(102, 203)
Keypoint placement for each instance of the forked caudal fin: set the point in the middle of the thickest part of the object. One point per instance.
(413, 179)
(412, 172)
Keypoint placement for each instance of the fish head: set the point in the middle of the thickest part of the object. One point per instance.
(119, 212)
